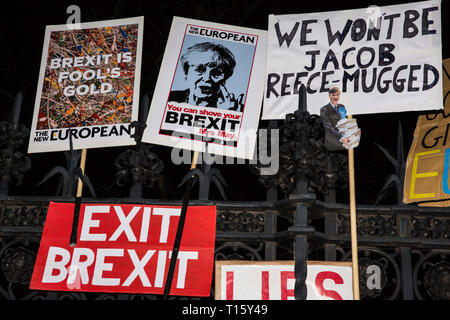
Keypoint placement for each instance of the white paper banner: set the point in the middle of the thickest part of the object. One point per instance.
(384, 59)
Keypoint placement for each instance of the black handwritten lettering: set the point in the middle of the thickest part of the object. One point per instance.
(385, 57)
(426, 68)
(313, 59)
(399, 84)
(427, 23)
(408, 24)
(359, 28)
(272, 80)
(350, 77)
(412, 78)
(286, 37)
(330, 57)
(368, 88)
(383, 89)
(360, 53)
(340, 36)
(284, 84)
(305, 31)
(391, 19)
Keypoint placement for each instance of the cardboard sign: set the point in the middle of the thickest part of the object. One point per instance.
(125, 248)
(275, 280)
(209, 89)
(427, 165)
(384, 59)
(88, 85)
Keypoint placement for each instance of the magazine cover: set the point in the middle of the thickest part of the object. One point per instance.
(209, 90)
(88, 86)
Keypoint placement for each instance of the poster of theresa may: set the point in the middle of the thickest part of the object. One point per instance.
(209, 90)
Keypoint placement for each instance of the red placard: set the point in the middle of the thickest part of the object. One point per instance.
(126, 248)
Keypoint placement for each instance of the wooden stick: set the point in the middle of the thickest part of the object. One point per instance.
(82, 166)
(353, 228)
(76, 211)
(179, 234)
(194, 160)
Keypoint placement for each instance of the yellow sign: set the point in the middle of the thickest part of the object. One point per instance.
(428, 162)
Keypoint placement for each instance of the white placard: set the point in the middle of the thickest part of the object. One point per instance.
(88, 85)
(275, 280)
(384, 59)
(209, 89)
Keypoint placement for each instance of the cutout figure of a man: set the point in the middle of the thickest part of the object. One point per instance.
(330, 115)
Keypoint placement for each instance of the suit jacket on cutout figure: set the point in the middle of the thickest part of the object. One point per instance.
(330, 118)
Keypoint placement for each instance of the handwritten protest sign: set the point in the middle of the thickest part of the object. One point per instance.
(427, 165)
(88, 85)
(384, 59)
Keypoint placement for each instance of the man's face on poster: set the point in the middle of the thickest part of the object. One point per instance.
(334, 97)
(204, 78)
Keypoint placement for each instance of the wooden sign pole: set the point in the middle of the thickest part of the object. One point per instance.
(76, 212)
(353, 227)
(176, 245)
(194, 160)
(82, 166)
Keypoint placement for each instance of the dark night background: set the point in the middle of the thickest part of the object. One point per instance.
(22, 28)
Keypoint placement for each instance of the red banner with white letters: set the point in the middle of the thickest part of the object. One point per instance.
(126, 248)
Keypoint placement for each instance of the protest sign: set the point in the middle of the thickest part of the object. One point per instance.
(275, 280)
(427, 165)
(88, 85)
(384, 59)
(125, 248)
(209, 89)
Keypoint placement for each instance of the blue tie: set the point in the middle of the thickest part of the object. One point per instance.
(342, 112)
